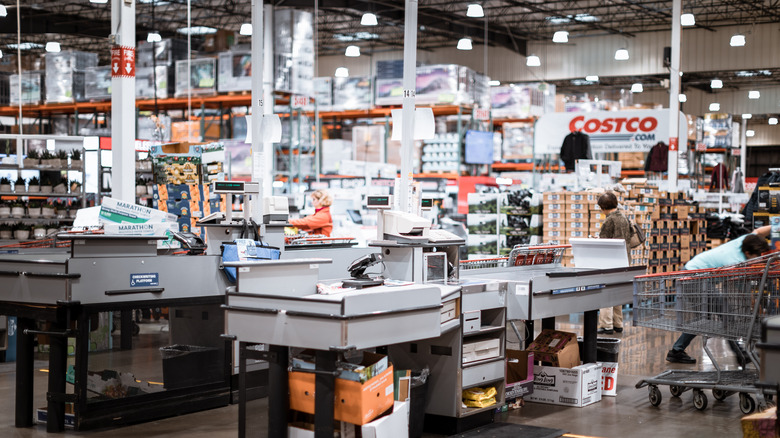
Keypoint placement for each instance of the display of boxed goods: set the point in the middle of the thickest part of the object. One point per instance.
(390, 69)
(33, 86)
(147, 128)
(576, 386)
(201, 79)
(146, 77)
(351, 93)
(441, 153)
(556, 348)
(323, 93)
(443, 84)
(516, 101)
(518, 141)
(293, 51)
(65, 81)
(389, 91)
(367, 143)
(98, 83)
(162, 53)
(361, 401)
(235, 71)
(189, 202)
(176, 164)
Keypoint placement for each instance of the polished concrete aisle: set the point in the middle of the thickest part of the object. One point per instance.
(627, 415)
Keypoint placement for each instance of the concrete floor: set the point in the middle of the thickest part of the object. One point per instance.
(627, 415)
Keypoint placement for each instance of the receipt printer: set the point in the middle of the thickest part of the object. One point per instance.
(405, 227)
(275, 209)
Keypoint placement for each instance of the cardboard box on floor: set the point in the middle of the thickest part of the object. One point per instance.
(761, 424)
(394, 424)
(556, 348)
(519, 374)
(579, 386)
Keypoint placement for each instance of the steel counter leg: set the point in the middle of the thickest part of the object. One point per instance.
(529, 329)
(324, 389)
(58, 358)
(278, 392)
(126, 330)
(25, 369)
(589, 336)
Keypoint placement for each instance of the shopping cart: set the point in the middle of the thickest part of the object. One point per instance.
(727, 303)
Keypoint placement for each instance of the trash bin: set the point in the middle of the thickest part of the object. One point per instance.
(189, 365)
(607, 349)
(417, 398)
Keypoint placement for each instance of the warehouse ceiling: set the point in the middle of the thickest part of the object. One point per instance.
(82, 25)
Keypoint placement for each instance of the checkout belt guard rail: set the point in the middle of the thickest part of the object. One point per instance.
(521, 255)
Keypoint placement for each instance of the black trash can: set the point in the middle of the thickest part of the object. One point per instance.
(189, 365)
(607, 349)
(418, 394)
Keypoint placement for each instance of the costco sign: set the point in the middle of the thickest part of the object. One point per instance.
(609, 131)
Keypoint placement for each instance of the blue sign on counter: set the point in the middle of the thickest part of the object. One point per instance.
(145, 280)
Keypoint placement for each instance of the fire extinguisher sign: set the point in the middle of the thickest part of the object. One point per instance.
(122, 62)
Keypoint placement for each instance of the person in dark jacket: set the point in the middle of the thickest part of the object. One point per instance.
(615, 226)
(658, 158)
(576, 146)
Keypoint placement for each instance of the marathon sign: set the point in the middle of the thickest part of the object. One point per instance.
(609, 131)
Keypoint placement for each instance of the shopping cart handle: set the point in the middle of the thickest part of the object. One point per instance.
(596, 272)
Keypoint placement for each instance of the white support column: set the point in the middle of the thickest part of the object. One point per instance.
(407, 115)
(674, 92)
(268, 94)
(123, 106)
(259, 170)
(743, 148)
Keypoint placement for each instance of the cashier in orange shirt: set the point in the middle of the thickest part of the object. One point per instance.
(320, 222)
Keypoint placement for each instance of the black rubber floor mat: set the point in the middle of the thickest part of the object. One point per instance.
(509, 430)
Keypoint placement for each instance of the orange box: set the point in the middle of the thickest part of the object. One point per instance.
(357, 403)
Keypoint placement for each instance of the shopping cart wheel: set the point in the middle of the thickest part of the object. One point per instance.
(746, 403)
(721, 394)
(676, 390)
(655, 395)
(699, 399)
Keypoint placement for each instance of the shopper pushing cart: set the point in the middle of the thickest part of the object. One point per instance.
(727, 302)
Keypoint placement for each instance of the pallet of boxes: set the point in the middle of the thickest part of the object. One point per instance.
(570, 214)
(675, 227)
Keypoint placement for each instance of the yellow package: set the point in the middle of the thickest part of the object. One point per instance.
(480, 403)
(478, 394)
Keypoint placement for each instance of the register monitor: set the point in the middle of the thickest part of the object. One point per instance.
(599, 253)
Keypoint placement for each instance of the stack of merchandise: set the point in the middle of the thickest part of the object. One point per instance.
(523, 218)
(189, 202)
(235, 71)
(352, 93)
(323, 93)
(65, 81)
(498, 221)
(201, 79)
(294, 51)
(98, 83)
(570, 215)
(675, 226)
(482, 222)
(155, 63)
(33, 87)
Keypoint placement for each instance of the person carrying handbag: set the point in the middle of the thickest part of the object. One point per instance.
(615, 226)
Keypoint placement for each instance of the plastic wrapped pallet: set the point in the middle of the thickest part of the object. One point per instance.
(323, 93)
(145, 78)
(293, 51)
(5, 79)
(389, 91)
(443, 83)
(201, 79)
(516, 101)
(163, 53)
(235, 71)
(65, 75)
(32, 88)
(98, 83)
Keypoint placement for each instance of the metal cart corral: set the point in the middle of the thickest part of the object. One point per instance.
(102, 273)
(728, 303)
(284, 314)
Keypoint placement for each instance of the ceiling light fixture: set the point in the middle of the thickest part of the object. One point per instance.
(368, 19)
(464, 44)
(99, 1)
(475, 10)
(754, 94)
(197, 30)
(592, 78)
(716, 83)
(747, 116)
(352, 51)
(246, 29)
(687, 20)
(773, 120)
(342, 72)
(750, 133)
(153, 37)
(715, 106)
(737, 40)
(621, 55)
(637, 88)
(494, 83)
(682, 98)
(3, 11)
(561, 36)
(1, 54)
(53, 47)
(533, 61)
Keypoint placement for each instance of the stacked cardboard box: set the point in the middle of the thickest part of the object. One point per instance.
(570, 215)
(189, 202)
(675, 227)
